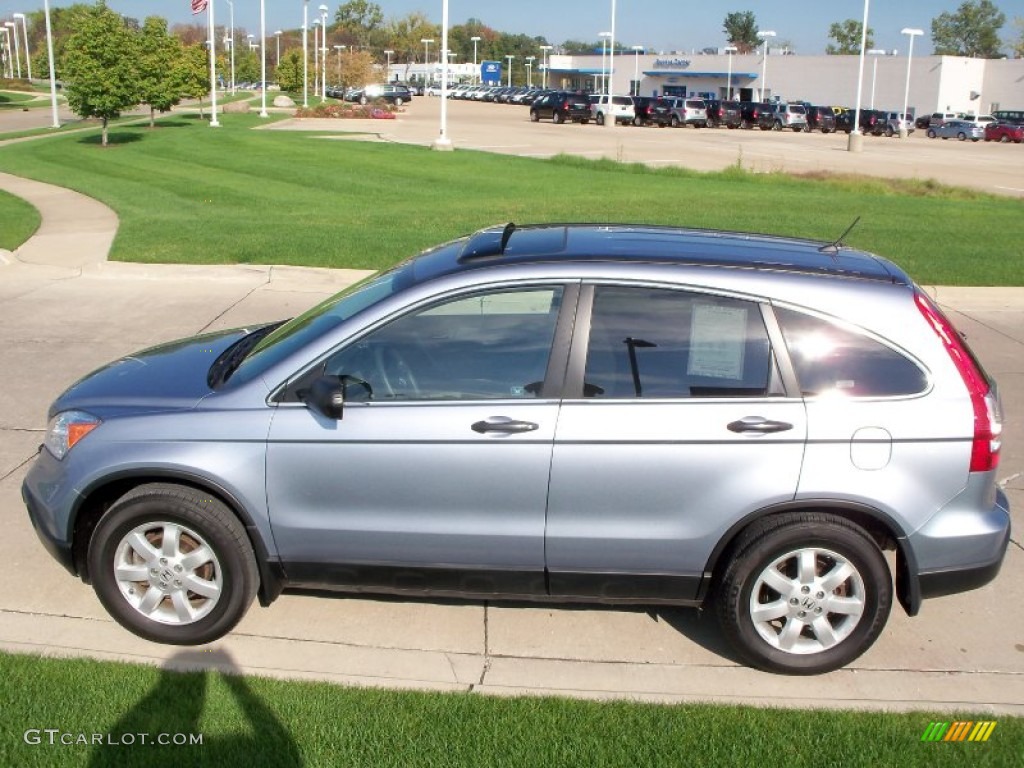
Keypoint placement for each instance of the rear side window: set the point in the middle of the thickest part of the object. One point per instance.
(833, 360)
(649, 342)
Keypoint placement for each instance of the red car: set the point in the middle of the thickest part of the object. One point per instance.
(1004, 132)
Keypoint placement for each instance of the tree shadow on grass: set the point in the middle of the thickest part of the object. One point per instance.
(115, 136)
(173, 711)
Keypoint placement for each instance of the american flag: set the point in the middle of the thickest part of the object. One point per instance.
(198, 6)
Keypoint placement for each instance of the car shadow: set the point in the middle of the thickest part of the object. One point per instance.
(175, 708)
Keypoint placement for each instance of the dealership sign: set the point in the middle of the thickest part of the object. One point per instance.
(672, 63)
(490, 72)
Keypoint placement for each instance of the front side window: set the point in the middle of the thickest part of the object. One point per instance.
(485, 346)
(833, 361)
(656, 343)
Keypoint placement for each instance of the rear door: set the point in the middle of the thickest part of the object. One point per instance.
(676, 424)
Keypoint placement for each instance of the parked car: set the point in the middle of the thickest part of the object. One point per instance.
(939, 118)
(1004, 132)
(725, 113)
(957, 129)
(553, 412)
(894, 122)
(675, 111)
(391, 93)
(620, 108)
(643, 107)
(820, 119)
(561, 107)
(871, 122)
(921, 122)
(792, 116)
(751, 112)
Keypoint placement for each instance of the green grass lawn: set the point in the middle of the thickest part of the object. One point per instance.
(18, 220)
(188, 193)
(247, 721)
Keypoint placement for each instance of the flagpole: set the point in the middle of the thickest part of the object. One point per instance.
(213, 67)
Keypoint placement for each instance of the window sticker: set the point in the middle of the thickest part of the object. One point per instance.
(718, 336)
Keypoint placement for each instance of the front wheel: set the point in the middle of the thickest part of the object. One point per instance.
(534, 117)
(961, 136)
(398, 101)
(173, 565)
(556, 117)
(599, 119)
(931, 134)
(674, 122)
(362, 100)
(804, 593)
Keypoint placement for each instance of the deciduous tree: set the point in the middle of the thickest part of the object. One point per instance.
(847, 36)
(193, 73)
(158, 55)
(359, 19)
(973, 30)
(741, 30)
(100, 66)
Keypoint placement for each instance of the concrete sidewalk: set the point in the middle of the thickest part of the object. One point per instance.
(65, 311)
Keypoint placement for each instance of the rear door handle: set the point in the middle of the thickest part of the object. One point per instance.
(759, 425)
(503, 424)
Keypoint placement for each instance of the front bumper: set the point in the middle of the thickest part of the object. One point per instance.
(55, 545)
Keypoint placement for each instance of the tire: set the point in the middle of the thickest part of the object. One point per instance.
(557, 117)
(931, 134)
(888, 132)
(848, 589)
(131, 558)
(398, 101)
(777, 125)
(1004, 139)
(674, 122)
(961, 136)
(637, 122)
(362, 100)
(534, 117)
(599, 119)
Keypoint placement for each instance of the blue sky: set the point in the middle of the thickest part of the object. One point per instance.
(658, 24)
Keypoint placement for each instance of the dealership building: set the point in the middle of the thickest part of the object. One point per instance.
(937, 83)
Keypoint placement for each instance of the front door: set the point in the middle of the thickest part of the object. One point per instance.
(436, 475)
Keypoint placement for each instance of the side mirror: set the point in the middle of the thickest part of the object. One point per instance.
(327, 397)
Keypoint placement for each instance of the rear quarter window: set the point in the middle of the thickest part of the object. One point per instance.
(832, 360)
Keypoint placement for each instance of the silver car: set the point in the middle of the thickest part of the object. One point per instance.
(957, 129)
(614, 414)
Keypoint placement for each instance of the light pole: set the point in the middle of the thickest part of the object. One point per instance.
(529, 70)
(277, 61)
(211, 42)
(316, 56)
(24, 30)
(49, 54)
(875, 53)
(611, 65)
(442, 142)
(387, 71)
(249, 40)
(263, 59)
(510, 57)
(17, 46)
(911, 33)
(604, 47)
(764, 34)
(856, 141)
(476, 70)
(339, 49)
(323, 78)
(730, 50)
(231, 24)
(305, 53)
(636, 68)
(426, 56)
(8, 62)
(544, 65)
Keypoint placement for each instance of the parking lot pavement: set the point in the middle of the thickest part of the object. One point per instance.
(964, 652)
(506, 129)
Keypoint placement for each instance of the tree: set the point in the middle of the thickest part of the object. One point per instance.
(741, 31)
(1016, 44)
(972, 31)
(193, 73)
(356, 69)
(158, 53)
(359, 18)
(847, 35)
(99, 67)
(289, 71)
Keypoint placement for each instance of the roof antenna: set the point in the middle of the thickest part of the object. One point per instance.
(839, 241)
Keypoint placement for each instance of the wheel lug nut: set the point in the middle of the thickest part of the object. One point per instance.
(821, 595)
(154, 571)
(163, 561)
(817, 610)
(805, 590)
(793, 601)
(802, 614)
(177, 568)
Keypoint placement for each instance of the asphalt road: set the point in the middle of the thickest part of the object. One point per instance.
(64, 311)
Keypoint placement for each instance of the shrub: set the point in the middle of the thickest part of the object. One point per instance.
(377, 111)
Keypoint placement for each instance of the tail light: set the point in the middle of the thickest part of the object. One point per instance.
(987, 427)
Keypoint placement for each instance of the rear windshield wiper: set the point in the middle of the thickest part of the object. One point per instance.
(233, 356)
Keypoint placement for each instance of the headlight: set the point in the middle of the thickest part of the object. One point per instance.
(66, 429)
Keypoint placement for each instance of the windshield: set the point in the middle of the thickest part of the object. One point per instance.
(298, 332)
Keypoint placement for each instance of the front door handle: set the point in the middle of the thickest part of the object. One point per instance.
(758, 424)
(503, 424)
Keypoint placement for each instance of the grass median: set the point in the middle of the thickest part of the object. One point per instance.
(249, 721)
(18, 220)
(186, 193)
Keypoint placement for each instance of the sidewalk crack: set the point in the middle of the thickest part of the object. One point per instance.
(270, 274)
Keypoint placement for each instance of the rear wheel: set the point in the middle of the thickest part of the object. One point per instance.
(173, 565)
(931, 134)
(804, 593)
(1004, 139)
(557, 117)
(534, 117)
(398, 101)
(599, 119)
(674, 122)
(961, 136)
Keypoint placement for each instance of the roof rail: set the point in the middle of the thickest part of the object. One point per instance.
(487, 243)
